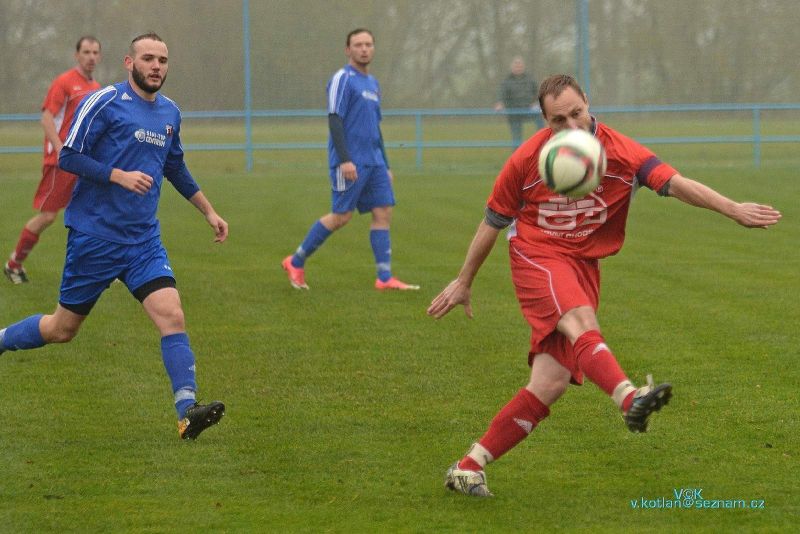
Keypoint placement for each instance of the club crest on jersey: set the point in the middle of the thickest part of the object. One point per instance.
(169, 130)
(146, 136)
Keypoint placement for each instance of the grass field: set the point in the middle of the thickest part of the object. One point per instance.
(345, 406)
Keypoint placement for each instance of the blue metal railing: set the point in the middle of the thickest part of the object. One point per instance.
(756, 138)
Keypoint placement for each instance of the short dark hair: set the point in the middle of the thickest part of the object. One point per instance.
(153, 36)
(90, 38)
(554, 85)
(357, 31)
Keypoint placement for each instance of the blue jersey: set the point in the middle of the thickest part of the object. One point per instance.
(115, 128)
(356, 98)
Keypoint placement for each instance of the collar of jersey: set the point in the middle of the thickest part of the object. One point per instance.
(351, 68)
(133, 94)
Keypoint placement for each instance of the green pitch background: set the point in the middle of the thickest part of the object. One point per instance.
(345, 405)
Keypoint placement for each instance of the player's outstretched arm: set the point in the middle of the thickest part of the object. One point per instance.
(748, 214)
(459, 290)
(219, 225)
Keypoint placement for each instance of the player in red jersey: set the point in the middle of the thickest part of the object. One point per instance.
(55, 187)
(555, 244)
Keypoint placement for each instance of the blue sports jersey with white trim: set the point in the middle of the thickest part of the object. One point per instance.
(115, 128)
(356, 98)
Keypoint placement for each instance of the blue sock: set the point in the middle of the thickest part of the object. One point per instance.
(22, 335)
(179, 362)
(315, 237)
(382, 249)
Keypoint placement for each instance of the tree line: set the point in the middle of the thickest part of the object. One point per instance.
(429, 53)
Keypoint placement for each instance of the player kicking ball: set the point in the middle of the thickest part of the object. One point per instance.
(555, 248)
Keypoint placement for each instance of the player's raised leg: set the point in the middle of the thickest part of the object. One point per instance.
(595, 359)
(40, 330)
(23, 335)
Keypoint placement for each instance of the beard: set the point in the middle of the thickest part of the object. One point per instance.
(141, 81)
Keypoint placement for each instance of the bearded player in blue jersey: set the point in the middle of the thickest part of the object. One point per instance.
(124, 140)
(359, 170)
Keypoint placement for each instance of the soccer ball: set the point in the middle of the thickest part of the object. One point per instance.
(572, 163)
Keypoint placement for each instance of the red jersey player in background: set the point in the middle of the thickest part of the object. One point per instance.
(555, 244)
(55, 188)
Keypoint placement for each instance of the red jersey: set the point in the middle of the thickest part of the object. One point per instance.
(66, 92)
(588, 228)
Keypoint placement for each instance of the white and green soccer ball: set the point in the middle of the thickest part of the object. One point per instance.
(572, 163)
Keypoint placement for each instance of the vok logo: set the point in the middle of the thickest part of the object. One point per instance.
(694, 494)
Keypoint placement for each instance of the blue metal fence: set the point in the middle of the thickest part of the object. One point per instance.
(419, 143)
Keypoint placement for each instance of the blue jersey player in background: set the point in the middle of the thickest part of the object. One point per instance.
(360, 175)
(124, 140)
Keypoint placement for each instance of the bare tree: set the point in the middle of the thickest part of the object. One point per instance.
(430, 53)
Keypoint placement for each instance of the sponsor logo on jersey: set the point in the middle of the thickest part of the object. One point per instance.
(126, 96)
(568, 218)
(146, 136)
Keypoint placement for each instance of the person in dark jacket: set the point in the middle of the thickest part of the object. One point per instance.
(517, 95)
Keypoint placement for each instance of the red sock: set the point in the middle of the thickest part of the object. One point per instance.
(513, 423)
(469, 464)
(597, 362)
(626, 404)
(27, 240)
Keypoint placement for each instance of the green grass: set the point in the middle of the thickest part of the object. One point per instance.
(345, 406)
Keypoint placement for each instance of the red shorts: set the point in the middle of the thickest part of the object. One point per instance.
(548, 286)
(55, 189)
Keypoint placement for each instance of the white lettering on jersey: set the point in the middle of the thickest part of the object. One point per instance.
(562, 216)
(146, 136)
(370, 95)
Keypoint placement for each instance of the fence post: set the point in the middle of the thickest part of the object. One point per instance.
(582, 44)
(418, 138)
(248, 96)
(757, 137)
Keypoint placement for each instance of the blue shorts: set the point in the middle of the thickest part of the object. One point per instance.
(372, 189)
(93, 263)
